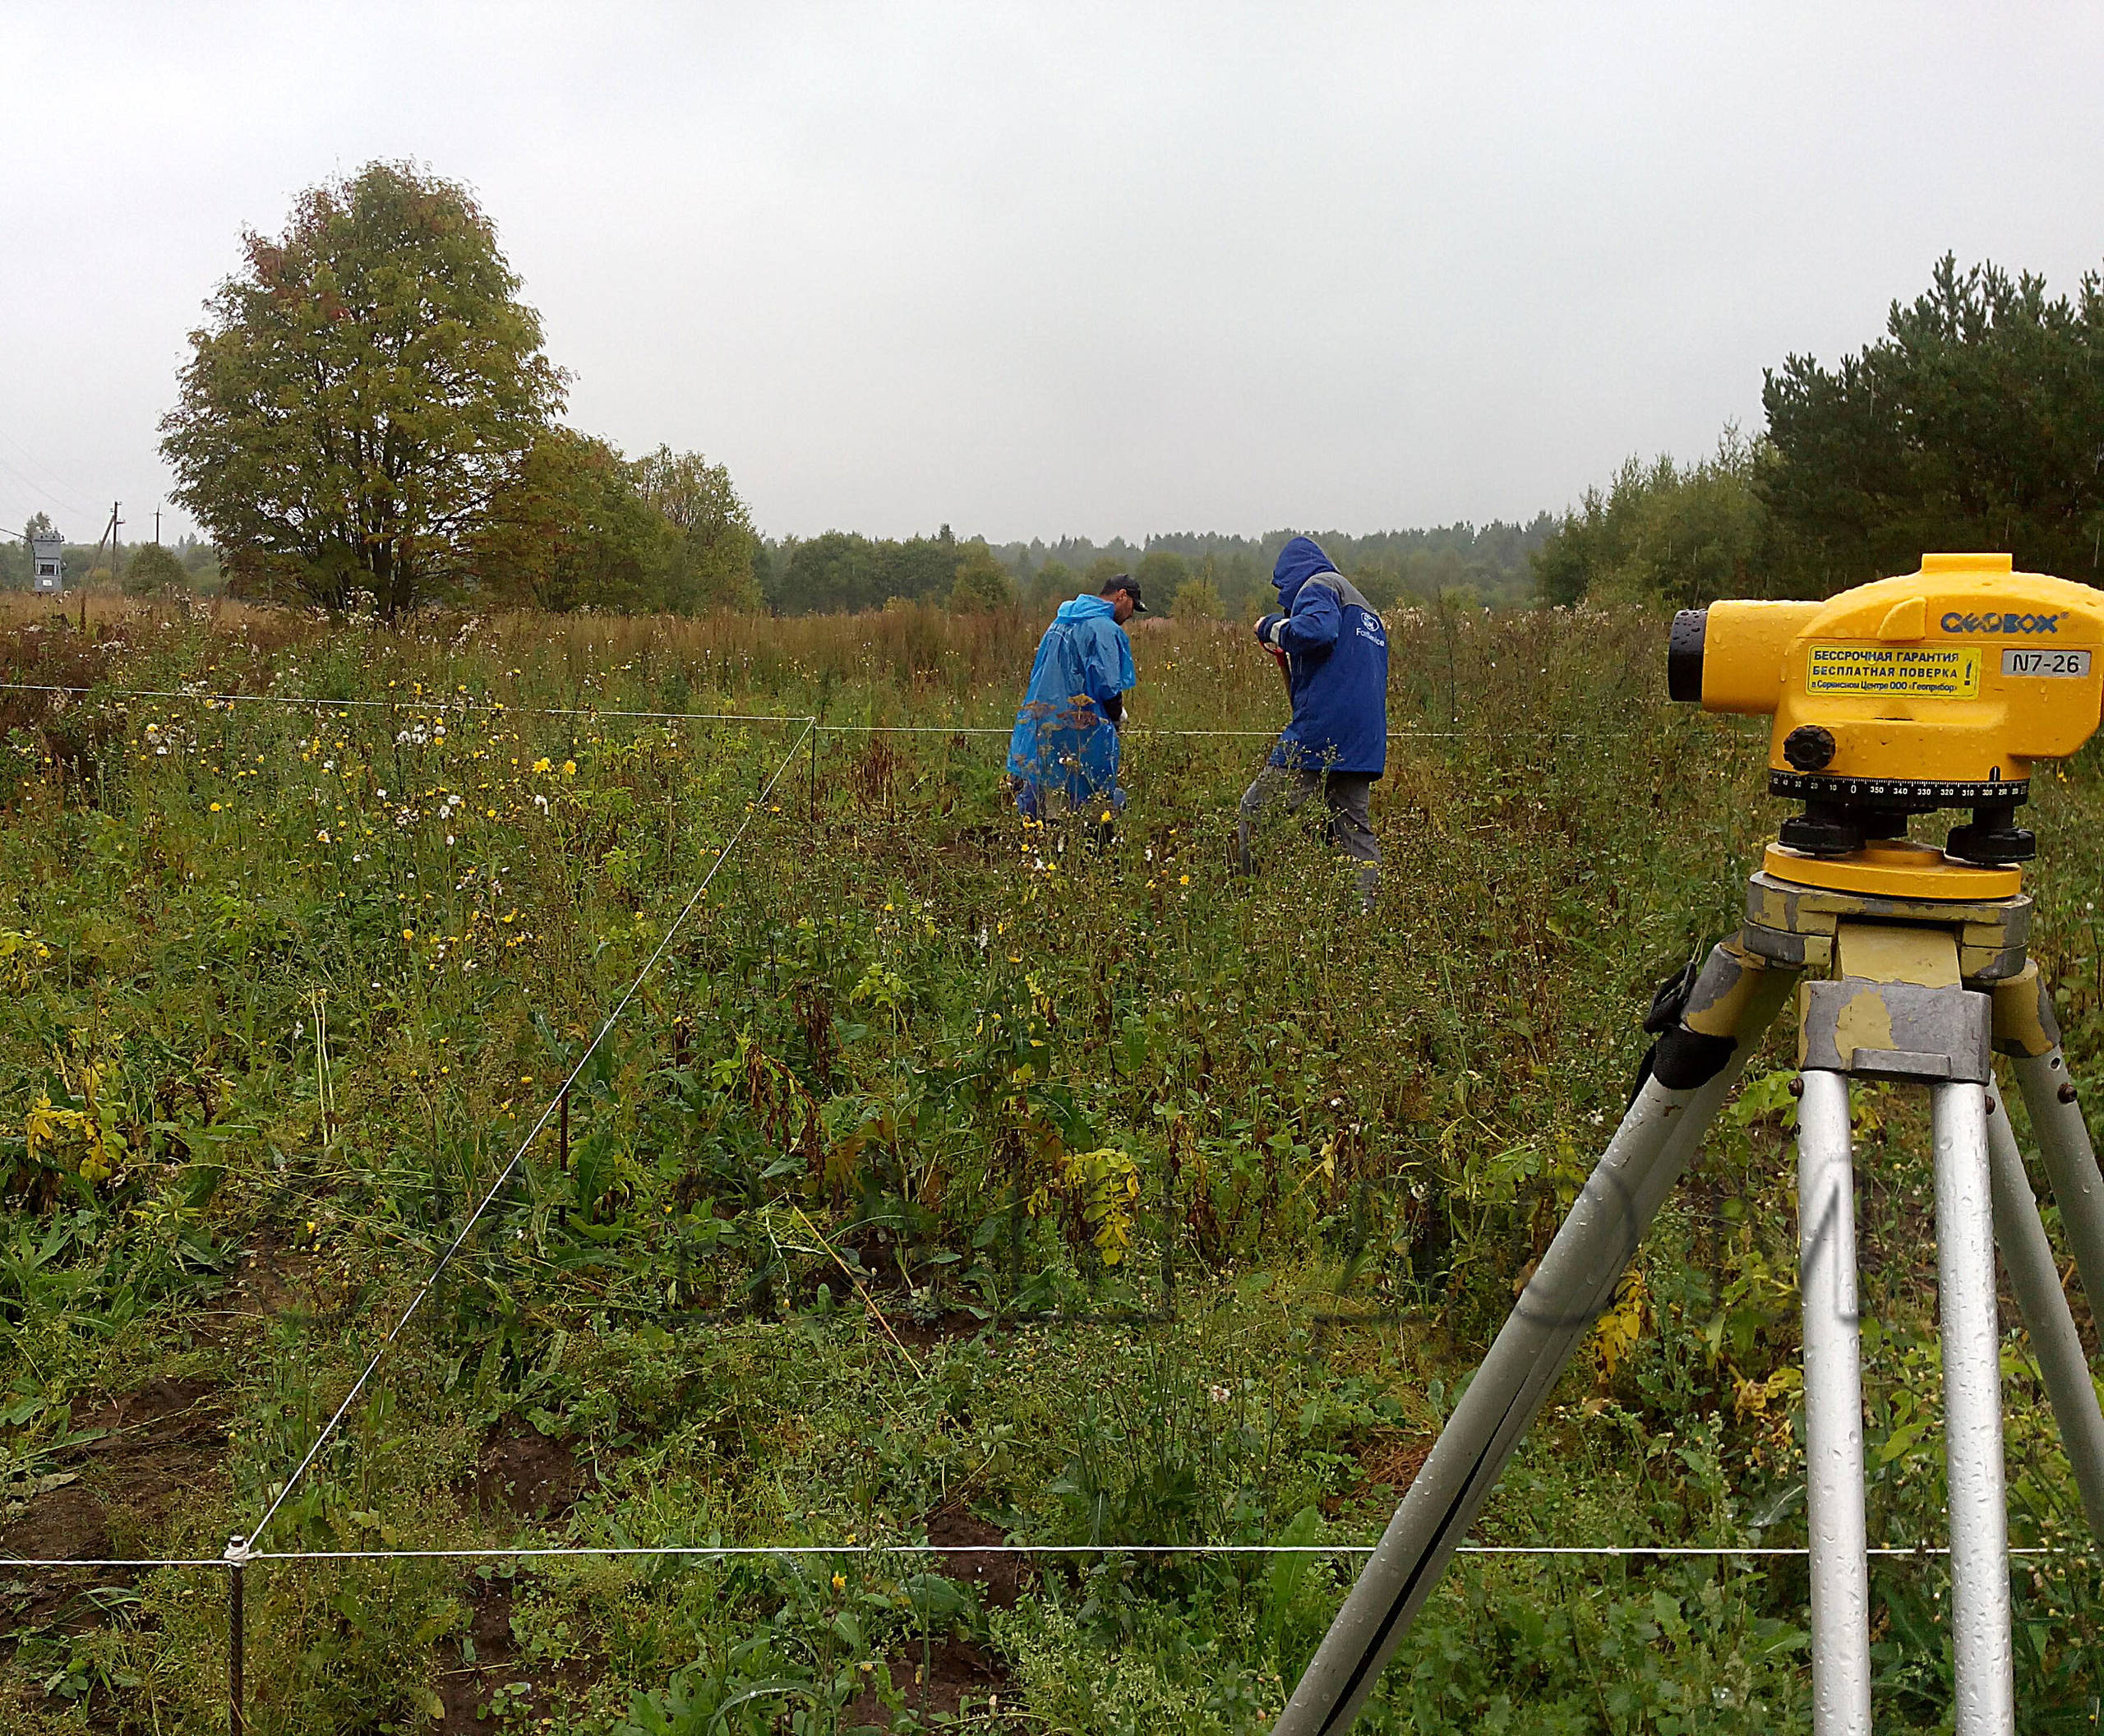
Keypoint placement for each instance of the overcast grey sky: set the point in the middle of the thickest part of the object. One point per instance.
(1043, 269)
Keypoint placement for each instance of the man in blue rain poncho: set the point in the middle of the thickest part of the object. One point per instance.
(1336, 653)
(1065, 750)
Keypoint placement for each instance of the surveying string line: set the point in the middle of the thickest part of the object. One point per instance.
(803, 1551)
(492, 707)
(1646, 1551)
(498, 708)
(173, 1561)
(239, 1554)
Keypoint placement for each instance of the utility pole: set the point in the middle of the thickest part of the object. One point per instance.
(157, 526)
(108, 536)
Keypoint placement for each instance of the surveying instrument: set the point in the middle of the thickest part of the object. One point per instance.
(1934, 691)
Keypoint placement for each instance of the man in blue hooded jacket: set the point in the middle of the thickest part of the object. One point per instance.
(1335, 652)
(1063, 750)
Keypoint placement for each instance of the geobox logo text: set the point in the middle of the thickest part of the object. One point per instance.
(1954, 622)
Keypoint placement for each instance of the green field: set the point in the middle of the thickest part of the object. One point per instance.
(946, 1181)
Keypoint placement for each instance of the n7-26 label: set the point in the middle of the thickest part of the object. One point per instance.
(2045, 663)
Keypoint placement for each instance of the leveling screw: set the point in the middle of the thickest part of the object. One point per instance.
(1797, 1086)
(2067, 1092)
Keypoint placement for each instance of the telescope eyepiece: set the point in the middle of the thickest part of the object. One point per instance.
(1684, 656)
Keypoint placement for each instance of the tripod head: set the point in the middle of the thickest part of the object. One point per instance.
(1935, 690)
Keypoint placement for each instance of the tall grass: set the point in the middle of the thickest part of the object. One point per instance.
(946, 1165)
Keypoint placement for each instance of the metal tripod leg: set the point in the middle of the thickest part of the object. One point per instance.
(2028, 1257)
(1834, 1411)
(1731, 1004)
(1972, 1413)
(2070, 1161)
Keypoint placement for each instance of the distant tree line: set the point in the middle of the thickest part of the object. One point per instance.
(1976, 423)
(1191, 573)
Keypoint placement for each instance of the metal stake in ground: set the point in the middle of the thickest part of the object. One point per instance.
(237, 1558)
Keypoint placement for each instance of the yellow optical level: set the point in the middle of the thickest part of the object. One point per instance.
(1936, 689)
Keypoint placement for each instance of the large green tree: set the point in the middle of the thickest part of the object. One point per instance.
(1976, 423)
(981, 582)
(361, 388)
(1663, 532)
(567, 528)
(709, 562)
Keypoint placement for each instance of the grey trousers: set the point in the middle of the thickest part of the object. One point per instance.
(1349, 796)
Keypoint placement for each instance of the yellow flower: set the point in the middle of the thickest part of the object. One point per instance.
(570, 767)
(839, 1582)
(540, 765)
(1184, 881)
(408, 934)
(215, 807)
(322, 836)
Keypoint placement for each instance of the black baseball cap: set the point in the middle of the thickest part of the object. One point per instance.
(1130, 586)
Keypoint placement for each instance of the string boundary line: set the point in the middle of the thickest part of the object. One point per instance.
(236, 1555)
(788, 1551)
(497, 708)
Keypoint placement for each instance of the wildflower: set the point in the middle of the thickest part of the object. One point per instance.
(215, 807)
(839, 1582)
(322, 836)
(408, 934)
(1183, 880)
(541, 765)
(570, 767)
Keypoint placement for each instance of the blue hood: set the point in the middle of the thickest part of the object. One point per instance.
(1298, 561)
(1088, 608)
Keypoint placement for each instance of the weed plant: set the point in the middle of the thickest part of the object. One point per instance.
(950, 1180)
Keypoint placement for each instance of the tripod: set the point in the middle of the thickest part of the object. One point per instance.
(1908, 966)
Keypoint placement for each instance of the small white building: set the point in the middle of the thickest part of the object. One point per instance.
(47, 564)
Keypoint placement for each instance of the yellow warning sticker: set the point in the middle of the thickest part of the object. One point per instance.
(1907, 671)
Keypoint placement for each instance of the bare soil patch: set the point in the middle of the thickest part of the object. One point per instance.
(523, 1472)
(1003, 1578)
(113, 1496)
(934, 1685)
(1389, 1460)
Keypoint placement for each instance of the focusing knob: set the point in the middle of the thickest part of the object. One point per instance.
(1808, 747)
